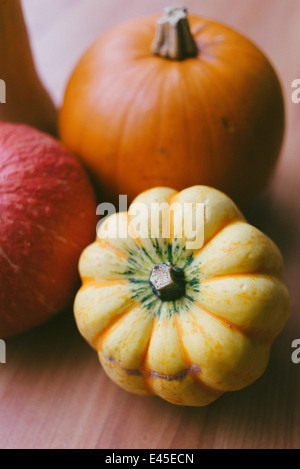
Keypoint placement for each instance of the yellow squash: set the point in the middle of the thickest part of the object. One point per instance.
(184, 323)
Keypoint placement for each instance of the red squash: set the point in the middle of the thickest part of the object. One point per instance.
(47, 216)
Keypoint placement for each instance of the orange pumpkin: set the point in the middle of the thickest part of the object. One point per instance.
(158, 102)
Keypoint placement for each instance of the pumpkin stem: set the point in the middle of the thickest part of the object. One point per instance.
(173, 39)
(167, 281)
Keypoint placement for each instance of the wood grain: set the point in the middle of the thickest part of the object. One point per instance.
(53, 392)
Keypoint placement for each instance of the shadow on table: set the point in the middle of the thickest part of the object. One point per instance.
(278, 220)
(52, 344)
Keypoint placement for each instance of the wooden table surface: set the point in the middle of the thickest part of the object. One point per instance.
(53, 392)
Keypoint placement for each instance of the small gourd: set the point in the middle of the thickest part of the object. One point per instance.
(186, 324)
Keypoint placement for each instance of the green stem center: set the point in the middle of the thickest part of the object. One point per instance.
(167, 281)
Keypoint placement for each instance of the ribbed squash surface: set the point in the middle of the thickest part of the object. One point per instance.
(217, 336)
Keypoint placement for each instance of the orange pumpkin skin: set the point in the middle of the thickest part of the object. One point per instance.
(139, 120)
